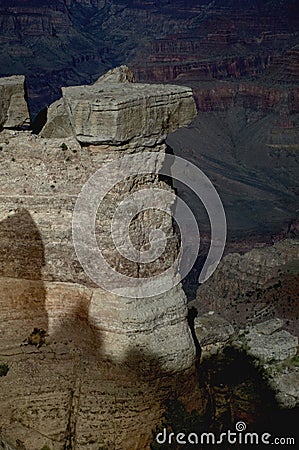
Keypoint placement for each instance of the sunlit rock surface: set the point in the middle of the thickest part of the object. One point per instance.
(13, 107)
(86, 368)
(116, 114)
(274, 351)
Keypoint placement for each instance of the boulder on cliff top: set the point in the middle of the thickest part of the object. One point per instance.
(121, 74)
(13, 106)
(58, 123)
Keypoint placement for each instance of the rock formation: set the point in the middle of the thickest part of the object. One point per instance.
(144, 115)
(57, 122)
(258, 285)
(213, 333)
(274, 351)
(120, 74)
(186, 41)
(87, 369)
(240, 59)
(111, 113)
(13, 110)
(268, 347)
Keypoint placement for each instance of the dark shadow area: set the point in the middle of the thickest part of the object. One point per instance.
(192, 313)
(190, 282)
(237, 392)
(225, 389)
(77, 334)
(40, 121)
(21, 262)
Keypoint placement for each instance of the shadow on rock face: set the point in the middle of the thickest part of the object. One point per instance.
(240, 391)
(22, 293)
(60, 385)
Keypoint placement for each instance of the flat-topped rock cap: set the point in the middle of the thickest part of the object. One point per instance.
(122, 92)
(115, 113)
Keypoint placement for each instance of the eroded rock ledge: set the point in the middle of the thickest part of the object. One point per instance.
(100, 375)
(116, 111)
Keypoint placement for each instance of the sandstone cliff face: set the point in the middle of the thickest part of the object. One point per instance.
(100, 375)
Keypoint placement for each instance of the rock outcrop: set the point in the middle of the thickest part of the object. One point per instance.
(58, 123)
(274, 351)
(13, 107)
(213, 333)
(120, 74)
(268, 342)
(120, 114)
(258, 285)
(266, 348)
(104, 362)
(113, 111)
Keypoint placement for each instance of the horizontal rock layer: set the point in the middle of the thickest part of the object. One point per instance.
(99, 362)
(115, 115)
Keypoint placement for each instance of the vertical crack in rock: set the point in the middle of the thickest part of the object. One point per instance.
(74, 404)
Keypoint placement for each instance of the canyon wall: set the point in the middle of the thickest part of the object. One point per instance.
(162, 41)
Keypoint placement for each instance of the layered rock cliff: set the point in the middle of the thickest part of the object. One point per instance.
(163, 41)
(239, 58)
(87, 368)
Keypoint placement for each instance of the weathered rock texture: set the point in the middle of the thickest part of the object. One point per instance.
(268, 342)
(108, 362)
(4, 445)
(114, 115)
(274, 350)
(258, 285)
(58, 122)
(213, 333)
(120, 74)
(113, 111)
(13, 107)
